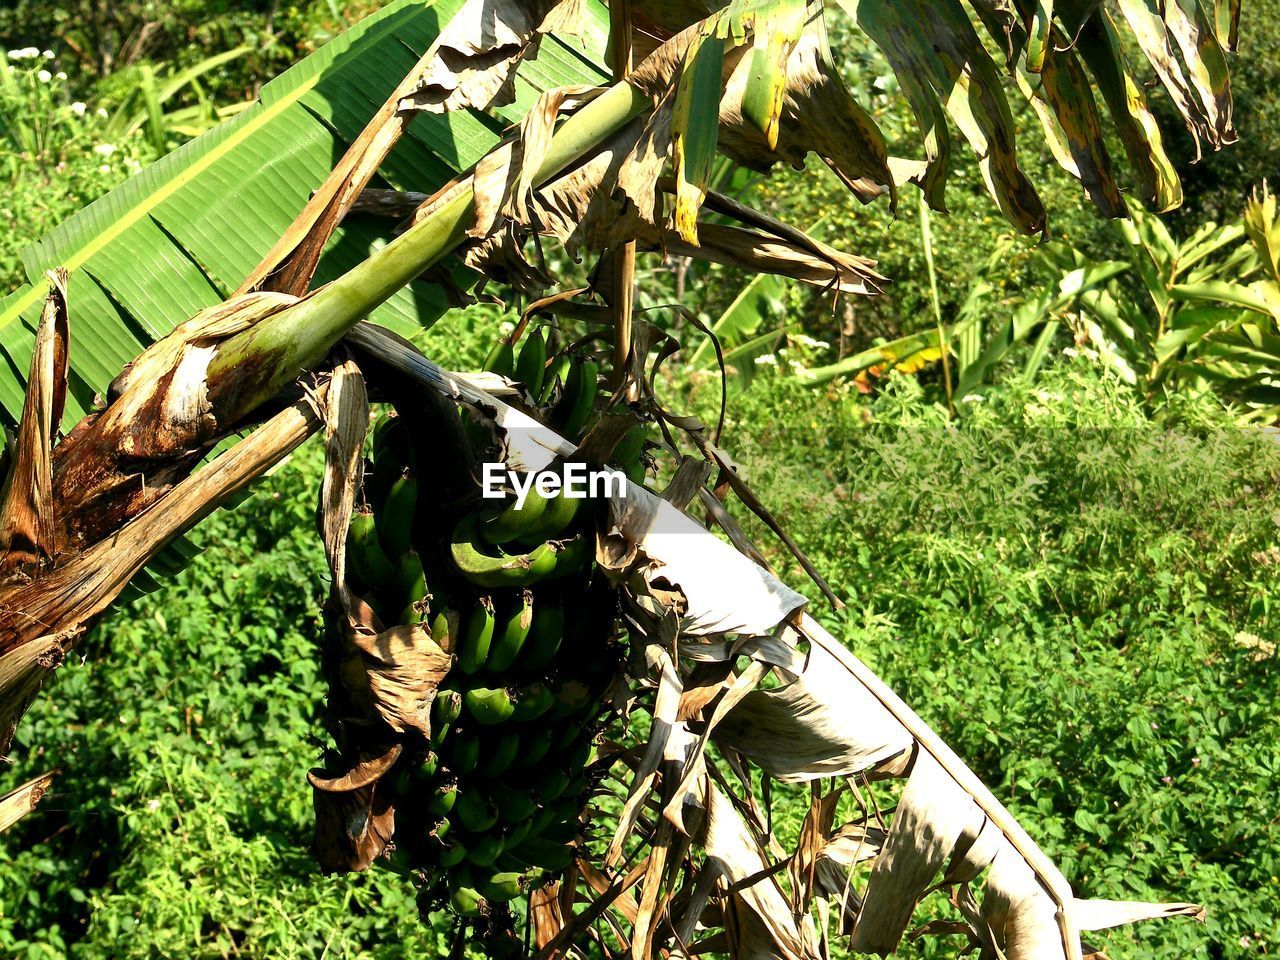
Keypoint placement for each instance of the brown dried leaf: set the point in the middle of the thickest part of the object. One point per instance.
(346, 423)
(53, 610)
(737, 856)
(474, 60)
(27, 523)
(362, 773)
(352, 828)
(405, 668)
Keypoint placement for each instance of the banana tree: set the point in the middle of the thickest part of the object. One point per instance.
(1195, 315)
(250, 233)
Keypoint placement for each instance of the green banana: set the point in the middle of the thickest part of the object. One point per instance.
(514, 806)
(391, 452)
(513, 521)
(444, 626)
(501, 359)
(498, 759)
(563, 829)
(574, 409)
(545, 816)
(516, 835)
(544, 638)
(365, 558)
(443, 799)
(535, 748)
(546, 562)
(465, 755)
(567, 736)
(451, 854)
(395, 520)
(489, 705)
(560, 512)
(445, 710)
(571, 696)
(503, 886)
(532, 364)
(410, 584)
(556, 370)
(580, 755)
(426, 768)
(467, 901)
(477, 636)
(548, 855)
(475, 812)
(532, 702)
(552, 785)
(413, 613)
(383, 433)
(485, 850)
(630, 447)
(510, 633)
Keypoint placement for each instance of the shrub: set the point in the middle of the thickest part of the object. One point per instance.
(1078, 598)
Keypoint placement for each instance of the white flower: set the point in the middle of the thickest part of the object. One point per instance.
(48, 54)
(105, 149)
(105, 168)
(102, 112)
(78, 108)
(506, 327)
(766, 360)
(61, 75)
(1070, 352)
(24, 53)
(973, 398)
(44, 76)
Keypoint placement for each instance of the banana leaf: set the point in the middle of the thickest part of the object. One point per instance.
(185, 232)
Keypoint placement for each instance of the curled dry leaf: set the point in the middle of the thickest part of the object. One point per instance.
(352, 828)
(160, 414)
(27, 523)
(613, 197)
(405, 668)
(365, 771)
(474, 60)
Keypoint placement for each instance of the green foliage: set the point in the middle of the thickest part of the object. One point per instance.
(1192, 316)
(56, 155)
(104, 40)
(1078, 598)
(181, 822)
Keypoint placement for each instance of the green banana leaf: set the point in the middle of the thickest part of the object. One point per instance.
(757, 302)
(184, 232)
(894, 352)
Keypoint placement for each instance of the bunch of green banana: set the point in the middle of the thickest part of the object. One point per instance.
(489, 806)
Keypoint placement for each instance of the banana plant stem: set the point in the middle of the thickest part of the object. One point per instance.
(253, 366)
